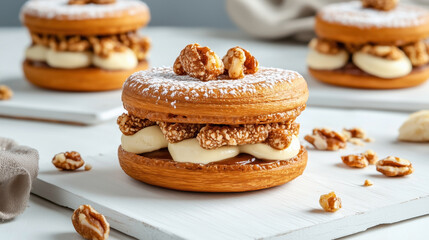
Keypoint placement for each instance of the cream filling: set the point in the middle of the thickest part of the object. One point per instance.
(117, 60)
(189, 150)
(68, 60)
(151, 139)
(416, 127)
(321, 61)
(264, 151)
(146, 140)
(36, 53)
(380, 67)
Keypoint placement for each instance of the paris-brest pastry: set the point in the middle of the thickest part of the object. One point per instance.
(375, 44)
(84, 45)
(213, 125)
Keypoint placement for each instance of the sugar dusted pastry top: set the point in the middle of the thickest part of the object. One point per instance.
(269, 95)
(60, 9)
(353, 14)
(163, 83)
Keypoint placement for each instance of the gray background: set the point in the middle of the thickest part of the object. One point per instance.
(190, 13)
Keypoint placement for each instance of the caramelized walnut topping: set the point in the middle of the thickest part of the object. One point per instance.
(326, 139)
(82, 2)
(238, 61)
(68, 161)
(330, 202)
(324, 46)
(215, 136)
(90, 224)
(176, 132)
(129, 124)
(5, 92)
(384, 5)
(198, 62)
(394, 166)
(386, 52)
(417, 53)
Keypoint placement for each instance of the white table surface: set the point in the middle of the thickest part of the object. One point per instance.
(56, 220)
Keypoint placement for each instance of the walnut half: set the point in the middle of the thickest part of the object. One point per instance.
(394, 166)
(90, 224)
(68, 161)
(238, 61)
(198, 62)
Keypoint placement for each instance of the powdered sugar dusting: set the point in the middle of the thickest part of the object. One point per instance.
(163, 83)
(59, 9)
(353, 14)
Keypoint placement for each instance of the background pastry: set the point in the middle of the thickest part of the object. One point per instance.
(84, 45)
(370, 44)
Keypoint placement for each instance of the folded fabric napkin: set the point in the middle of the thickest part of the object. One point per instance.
(273, 19)
(19, 166)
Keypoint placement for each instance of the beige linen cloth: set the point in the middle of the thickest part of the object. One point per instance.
(273, 19)
(18, 168)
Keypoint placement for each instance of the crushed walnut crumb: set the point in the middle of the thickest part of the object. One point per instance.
(326, 139)
(5, 92)
(368, 183)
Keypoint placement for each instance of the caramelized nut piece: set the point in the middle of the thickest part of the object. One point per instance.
(394, 166)
(279, 139)
(198, 62)
(90, 224)
(130, 124)
(238, 61)
(368, 183)
(68, 161)
(417, 53)
(5, 92)
(386, 52)
(371, 156)
(324, 46)
(103, 1)
(355, 161)
(326, 139)
(330, 202)
(176, 132)
(384, 5)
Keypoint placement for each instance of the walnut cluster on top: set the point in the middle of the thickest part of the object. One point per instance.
(384, 5)
(82, 2)
(204, 64)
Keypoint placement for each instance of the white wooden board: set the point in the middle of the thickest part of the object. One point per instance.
(287, 212)
(91, 108)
